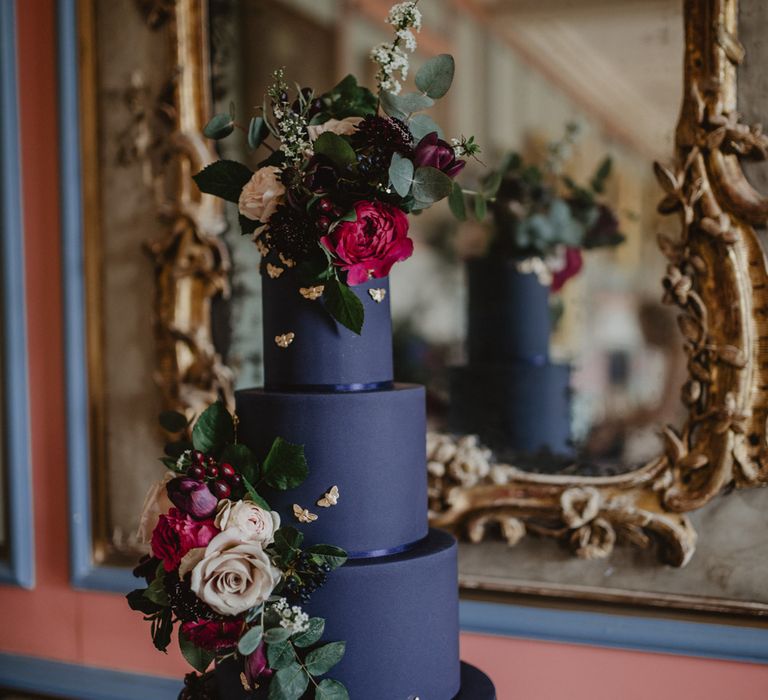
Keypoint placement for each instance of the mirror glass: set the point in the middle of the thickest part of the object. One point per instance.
(555, 90)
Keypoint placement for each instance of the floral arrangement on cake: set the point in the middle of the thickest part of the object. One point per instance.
(347, 166)
(543, 219)
(226, 571)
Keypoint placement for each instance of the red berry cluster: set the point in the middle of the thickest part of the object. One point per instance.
(222, 479)
(329, 212)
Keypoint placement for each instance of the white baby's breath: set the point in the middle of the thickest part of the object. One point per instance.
(392, 59)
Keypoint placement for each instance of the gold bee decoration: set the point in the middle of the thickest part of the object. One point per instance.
(274, 271)
(331, 498)
(312, 293)
(262, 247)
(284, 340)
(286, 261)
(378, 294)
(302, 514)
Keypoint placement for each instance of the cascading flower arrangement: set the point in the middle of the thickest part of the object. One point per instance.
(346, 168)
(226, 571)
(542, 218)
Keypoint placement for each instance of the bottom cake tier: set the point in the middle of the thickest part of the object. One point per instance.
(399, 617)
(518, 408)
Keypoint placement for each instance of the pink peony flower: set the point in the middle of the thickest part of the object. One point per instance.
(213, 635)
(256, 665)
(369, 246)
(176, 533)
(433, 151)
(573, 263)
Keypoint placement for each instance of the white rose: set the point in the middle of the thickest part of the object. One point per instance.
(342, 127)
(261, 194)
(257, 524)
(233, 575)
(156, 503)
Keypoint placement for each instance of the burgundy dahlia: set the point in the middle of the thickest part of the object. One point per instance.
(213, 635)
(375, 140)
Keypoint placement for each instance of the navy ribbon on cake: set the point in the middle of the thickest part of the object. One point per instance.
(331, 388)
(374, 553)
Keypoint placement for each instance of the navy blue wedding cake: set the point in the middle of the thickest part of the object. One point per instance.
(395, 602)
(510, 393)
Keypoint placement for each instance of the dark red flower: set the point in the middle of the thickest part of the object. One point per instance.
(433, 151)
(573, 263)
(370, 245)
(213, 635)
(256, 665)
(192, 496)
(176, 533)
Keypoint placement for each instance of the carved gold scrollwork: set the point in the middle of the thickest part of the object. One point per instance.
(717, 278)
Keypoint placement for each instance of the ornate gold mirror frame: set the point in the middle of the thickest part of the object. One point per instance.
(716, 277)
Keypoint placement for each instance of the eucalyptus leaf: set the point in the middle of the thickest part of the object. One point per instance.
(481, 207)
(250, 641)
(329, 554)
(280, 655)
(197, 658)
(324, 658)
(289, 683)
(312, 633)
(422, 124)
(172, 421)
(431, 184)
(336, 148)
(257, 132)
(219, 126)
(342, 303)
(456, 202)
(434, 78)
(401, 174)
(214, 429)
(276, 634)
(402, 106)
(223, 178)
(285, 467)
(329, 689)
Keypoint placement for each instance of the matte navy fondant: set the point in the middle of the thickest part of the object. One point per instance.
(323, 352)
(369, 444)
(475, 685)
(509, 318)
(514, 407)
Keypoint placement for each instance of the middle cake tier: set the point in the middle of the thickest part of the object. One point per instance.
(370, 445)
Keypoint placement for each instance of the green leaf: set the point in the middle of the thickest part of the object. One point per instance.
(402, 106)
(280, 655)
(431, 184)
(214, 429)
(434, 78)
(481, 207)
(329, 689)
(288, 538)
(601, 175)
(329, 554)
(223, 178)
(172, 421)
(336, 148)
(254, 496)
(257, 132)
(219, 126)
(288, 683)
(250, 641)
(324, 658)
(276, 634)
(197, 658)
(351, 215)
(342, 303)
(241, 457)
(422, 124)
(456, 202)
(312, 634)
(162, 628)
(492, 184)
(285, 467)
(156, 591)
(139, 602)
(401, 174)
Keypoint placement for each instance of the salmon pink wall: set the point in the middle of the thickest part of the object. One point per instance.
(56, 622)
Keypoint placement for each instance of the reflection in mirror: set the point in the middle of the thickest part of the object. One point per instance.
(594, 370)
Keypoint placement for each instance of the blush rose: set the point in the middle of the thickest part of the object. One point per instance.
(342, 127)
(257, 524)
(176, 534)
(262, 194)
(369, 246)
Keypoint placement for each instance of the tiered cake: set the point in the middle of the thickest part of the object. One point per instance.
(510, 393)
(395, 602)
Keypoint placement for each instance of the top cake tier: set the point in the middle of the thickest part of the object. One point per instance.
(509, 317)
(322, 354)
